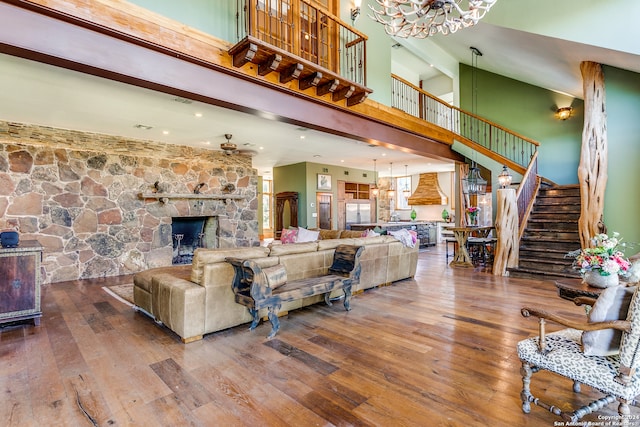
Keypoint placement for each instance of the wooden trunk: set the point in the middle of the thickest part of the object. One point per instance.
(507, 250)
(592, 171)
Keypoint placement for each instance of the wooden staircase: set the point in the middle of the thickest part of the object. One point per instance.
(551, 232)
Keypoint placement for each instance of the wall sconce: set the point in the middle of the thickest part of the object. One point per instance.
(504, 179)
(355, 10)
(564, 113)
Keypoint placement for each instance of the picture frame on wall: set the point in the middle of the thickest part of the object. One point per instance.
(324, 181)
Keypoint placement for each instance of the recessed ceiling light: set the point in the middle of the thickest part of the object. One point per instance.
(384, 154)
(342, 161)
(208, 142)
(302, 136)
(198, 115)
(165, 132)
(262, 148)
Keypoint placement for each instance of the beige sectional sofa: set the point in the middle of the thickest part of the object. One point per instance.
(193, 300)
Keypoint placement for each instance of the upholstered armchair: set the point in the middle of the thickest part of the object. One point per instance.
(601, 352)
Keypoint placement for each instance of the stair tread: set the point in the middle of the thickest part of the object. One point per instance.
(570, 220)
(537, 249)
(556, 261)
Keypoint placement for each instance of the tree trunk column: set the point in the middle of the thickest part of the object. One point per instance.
(507, 250)
(592, 171)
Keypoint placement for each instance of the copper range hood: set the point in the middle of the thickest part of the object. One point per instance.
(428, 191)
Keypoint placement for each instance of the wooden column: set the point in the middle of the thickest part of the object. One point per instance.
(592, 171)
(507, 250)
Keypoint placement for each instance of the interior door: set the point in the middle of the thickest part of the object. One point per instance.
(324, 202)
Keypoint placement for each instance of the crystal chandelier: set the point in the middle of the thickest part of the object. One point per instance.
(424, 18)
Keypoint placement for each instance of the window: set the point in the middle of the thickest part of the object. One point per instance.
(267, 203)
(402, 184)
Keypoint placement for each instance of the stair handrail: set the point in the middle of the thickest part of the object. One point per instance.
(493, 137)
(526, 193)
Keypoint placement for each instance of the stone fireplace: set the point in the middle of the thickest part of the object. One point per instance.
(80, 195)
(191, 233)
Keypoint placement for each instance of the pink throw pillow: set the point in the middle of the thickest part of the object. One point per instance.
(289, 235)
(414, 236)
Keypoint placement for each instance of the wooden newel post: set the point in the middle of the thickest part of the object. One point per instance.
(507, 250)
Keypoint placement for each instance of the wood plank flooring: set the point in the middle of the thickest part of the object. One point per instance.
(437, 350)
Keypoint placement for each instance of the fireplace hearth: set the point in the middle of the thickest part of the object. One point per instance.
(191, 233)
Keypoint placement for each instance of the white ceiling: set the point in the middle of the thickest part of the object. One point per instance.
(36, 93)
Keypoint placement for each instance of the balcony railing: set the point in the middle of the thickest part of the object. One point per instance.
(306, 31)
(492, 137)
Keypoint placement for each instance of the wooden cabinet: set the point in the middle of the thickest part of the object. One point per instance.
(20, 282)
(354, 190)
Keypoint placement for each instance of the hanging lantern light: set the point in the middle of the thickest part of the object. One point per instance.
(505, 177)
(474, 183)
(374, 187)
(406, 192)
(391, 192)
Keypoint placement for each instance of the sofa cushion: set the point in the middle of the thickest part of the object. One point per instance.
(333, 243)
(363, 241)
(305, 235)
(329, 234)
(143, 279)
(294, 248)
(352, 234)
(612, 304)
(202, 256)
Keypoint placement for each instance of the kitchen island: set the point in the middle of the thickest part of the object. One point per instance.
(426, 230)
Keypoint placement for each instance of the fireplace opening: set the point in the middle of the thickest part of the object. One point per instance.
(190, 233)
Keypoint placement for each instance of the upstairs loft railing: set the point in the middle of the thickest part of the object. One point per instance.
(501, 144)
(307, 31)
(517, 150)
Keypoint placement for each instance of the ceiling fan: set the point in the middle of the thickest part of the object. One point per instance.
(229, 147)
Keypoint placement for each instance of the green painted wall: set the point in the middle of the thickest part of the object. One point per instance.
(303, 178)
(529, 111)
(217, 17)
(291, 178)
(622, 198)
(378, 51)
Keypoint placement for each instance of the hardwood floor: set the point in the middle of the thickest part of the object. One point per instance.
(435, 351)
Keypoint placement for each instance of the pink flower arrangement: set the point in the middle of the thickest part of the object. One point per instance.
(604, 256)
(473, 210)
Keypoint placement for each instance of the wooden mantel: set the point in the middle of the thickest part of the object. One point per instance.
(164, 197)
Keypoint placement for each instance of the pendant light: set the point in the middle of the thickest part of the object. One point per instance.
(374, 187)
(406, 192)
(391, 192)
(505, 177)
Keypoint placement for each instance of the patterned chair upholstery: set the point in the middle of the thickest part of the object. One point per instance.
(616, 376)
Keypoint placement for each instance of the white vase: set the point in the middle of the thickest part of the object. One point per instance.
(595, 279)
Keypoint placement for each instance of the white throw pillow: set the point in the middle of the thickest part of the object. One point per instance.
(305, 235)
(612, 304)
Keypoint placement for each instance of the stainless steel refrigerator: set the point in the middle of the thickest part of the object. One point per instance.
(357, 213)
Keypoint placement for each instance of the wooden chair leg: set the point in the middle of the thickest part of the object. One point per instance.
(525, 394)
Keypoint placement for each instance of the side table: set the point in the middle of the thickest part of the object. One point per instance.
(570, 289)
(20, 282)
